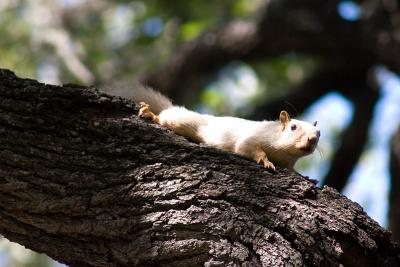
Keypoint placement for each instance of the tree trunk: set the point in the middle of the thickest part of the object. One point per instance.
(85, 181)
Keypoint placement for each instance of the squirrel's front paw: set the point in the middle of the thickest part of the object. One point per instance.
(266, 163)
(145, 113)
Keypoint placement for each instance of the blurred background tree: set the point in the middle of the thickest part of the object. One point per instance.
(332, 61)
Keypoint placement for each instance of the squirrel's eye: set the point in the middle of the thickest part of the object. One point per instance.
(293, 127)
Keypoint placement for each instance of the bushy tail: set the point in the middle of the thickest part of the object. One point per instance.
(155, 99)
(138, 93)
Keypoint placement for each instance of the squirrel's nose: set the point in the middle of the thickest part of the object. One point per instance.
(312, 140)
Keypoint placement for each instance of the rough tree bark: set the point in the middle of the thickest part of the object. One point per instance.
(85, 181)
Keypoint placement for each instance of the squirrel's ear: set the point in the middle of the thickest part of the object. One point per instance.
(284, 118)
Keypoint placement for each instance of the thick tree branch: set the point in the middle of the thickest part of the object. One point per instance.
(85, 181)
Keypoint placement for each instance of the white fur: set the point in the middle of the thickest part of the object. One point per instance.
(282, 146)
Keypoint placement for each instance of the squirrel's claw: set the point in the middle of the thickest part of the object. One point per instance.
(267, 164)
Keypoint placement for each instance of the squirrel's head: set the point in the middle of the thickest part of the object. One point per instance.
(300, 138)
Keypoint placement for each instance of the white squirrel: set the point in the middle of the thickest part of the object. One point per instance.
(270, 143)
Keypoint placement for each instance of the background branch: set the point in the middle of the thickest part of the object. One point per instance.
(363, 92)
(338, 76)
(394, 196)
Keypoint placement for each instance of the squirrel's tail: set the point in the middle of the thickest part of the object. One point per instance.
(157, 101)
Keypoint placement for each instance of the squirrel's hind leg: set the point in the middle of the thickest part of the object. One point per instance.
(146, 113)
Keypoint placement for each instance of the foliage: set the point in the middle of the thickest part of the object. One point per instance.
(96, 41)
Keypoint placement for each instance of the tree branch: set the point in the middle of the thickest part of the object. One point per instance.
(363, 91)
(394, 196)
(337, 76)
(85, 181)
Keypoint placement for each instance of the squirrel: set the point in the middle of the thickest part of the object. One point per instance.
(270, 143)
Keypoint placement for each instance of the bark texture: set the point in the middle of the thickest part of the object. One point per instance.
(85, 181)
